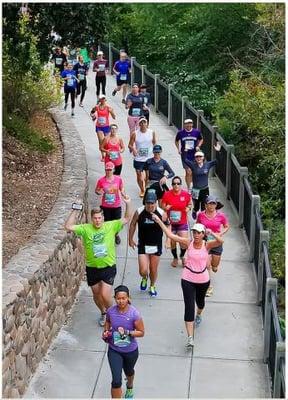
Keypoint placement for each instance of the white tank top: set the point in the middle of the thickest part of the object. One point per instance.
(144, 145)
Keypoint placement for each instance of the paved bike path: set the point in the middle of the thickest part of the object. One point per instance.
(227, 358)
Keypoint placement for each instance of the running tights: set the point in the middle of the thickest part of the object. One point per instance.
(193, 292)
(72, 94)
(119, 361)
(100, 80)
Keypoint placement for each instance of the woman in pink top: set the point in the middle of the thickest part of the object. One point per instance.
(217, 222)
(110, 187)
(112, 146)
(195, 277)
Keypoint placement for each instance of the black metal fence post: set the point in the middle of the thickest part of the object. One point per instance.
(184, 99)
(170, 87)
(243, 173)
(110, 58)
(132, 70)
(280, 354)
(271, 286)
(263, 237)
(200, 114)
(143, 67)
(156, 94)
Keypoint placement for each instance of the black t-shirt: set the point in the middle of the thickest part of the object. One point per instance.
(59, 60)
(149, 232)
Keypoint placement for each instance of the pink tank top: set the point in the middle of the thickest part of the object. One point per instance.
(115, 155)
(102, 116)
(197, 261)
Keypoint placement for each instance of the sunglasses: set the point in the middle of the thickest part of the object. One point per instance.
(176, 183)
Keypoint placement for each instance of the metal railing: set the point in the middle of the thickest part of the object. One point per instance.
(234, 179)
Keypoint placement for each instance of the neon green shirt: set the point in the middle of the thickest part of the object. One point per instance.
(99, 243)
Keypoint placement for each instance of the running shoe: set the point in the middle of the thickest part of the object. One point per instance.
(215, 269)
(114, 92)
(182, 261)
(141, 194)
(65, 106)
(143, 284)
(129, 394)
(194, 214)
(174, 263)
(72, 113)
(209, 291)
(123, 101)
(198, 320)
(190, 342)
(117, 239)
(102, 319)
(81, 105)
(152, 291)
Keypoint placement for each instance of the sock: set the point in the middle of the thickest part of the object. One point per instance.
(182, 252)
(174, 252)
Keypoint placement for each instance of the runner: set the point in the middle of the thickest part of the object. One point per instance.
(81, 72)
(113, 146)
(217, 221)
(123, 324)
(200, 173)
(149, 240)
(155, 173)
(146, 101)
(195, 277)
(69, 76)
(122, 69)
(58, 58)
(190, 140)
(134, 104)
(141, 145)
(100, 66)
(110, 187)
(99, 244)
(101, 113)
(177, 203)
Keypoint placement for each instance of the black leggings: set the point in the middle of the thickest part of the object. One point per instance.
(193, 292)
(100, 80)
(118, 169)
(81, 88)
(119, 361)
(72, 94)
(201, 200)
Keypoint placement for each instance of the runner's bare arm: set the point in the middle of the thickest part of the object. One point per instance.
(71, 221)
(132, 229)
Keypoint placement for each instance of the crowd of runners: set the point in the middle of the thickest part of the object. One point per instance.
(187, 214)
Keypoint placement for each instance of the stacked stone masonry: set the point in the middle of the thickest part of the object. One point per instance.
(40, 283)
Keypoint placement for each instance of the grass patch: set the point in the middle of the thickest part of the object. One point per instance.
(20, 129)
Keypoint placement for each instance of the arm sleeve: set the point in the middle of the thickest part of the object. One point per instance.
(79, 230)
(189, 163)
(212, 163)
(118, 225)
(169, 170)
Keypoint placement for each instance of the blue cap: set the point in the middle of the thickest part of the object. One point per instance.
(150, 196)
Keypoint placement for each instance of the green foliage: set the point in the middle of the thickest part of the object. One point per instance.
(19, 128)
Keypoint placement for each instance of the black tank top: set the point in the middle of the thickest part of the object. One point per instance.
(149, 232)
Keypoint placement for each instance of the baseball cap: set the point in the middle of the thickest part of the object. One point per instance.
(157, 148)
(213, 199)
(199, 153)
(188, 121)
(198, 228)
(109, 165)
(150, 197)
(102, 96)
(142, 119)
(99, 53)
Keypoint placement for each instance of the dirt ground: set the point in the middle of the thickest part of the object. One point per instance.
(30, 185)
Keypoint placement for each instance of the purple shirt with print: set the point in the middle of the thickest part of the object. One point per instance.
(126, 320)
(189, 142)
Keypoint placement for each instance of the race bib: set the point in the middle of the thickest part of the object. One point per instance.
(81, 77)
(101, 67)
(123, 77)
(117, 341)
(145, 100)
(175, 216)
(136, 112)
(99, 250)
(70, 82)
(195, 193)
(110, 198)
(189, 145)
(101, 120)
(113, 155)
(143, 152)
(210, 237)
(151, 249)
(58, 60)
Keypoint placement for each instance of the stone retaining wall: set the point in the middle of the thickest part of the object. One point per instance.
(40, 283)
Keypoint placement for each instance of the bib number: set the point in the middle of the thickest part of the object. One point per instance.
(113, 155)
(123, 77)
(81, 77)
(99, 250)
(110, 198)
(151, 249)
(58, 61)
(175, 216)
(136, 112)
(143, 152)
(101, 67)
(195, 193)
(119, 342)
(210, 237)
(70, 82)
(189, 145)
(101, 120)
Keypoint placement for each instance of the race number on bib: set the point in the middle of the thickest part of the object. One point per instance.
(123, 77)
(110, 198)
(136, 112)
(99, 250)
(175, 216)
(189, 145)
(101, 67)
(81, 77)
(58, 60)
(120, 342)
(113, 155)
(101, 120)
(143, 152)
(70, 82)
(195, 193)
(151, 249)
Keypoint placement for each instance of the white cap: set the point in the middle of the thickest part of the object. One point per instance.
(100, 53)
(188, 121)
(102, 96)
(199, 153)
(198, 228)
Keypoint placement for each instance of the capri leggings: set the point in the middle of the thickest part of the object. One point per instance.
(119, 361)
(193, 292)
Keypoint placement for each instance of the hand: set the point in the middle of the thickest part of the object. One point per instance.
(197, 148)
(106, 335)
(168, 206)
(163, 180)
(132, 244)
(121, 330)
(126, 198)
(167, 244)
(156, 218)
(217, 146)
(134, 152)
(187, 209)
(208, 232)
